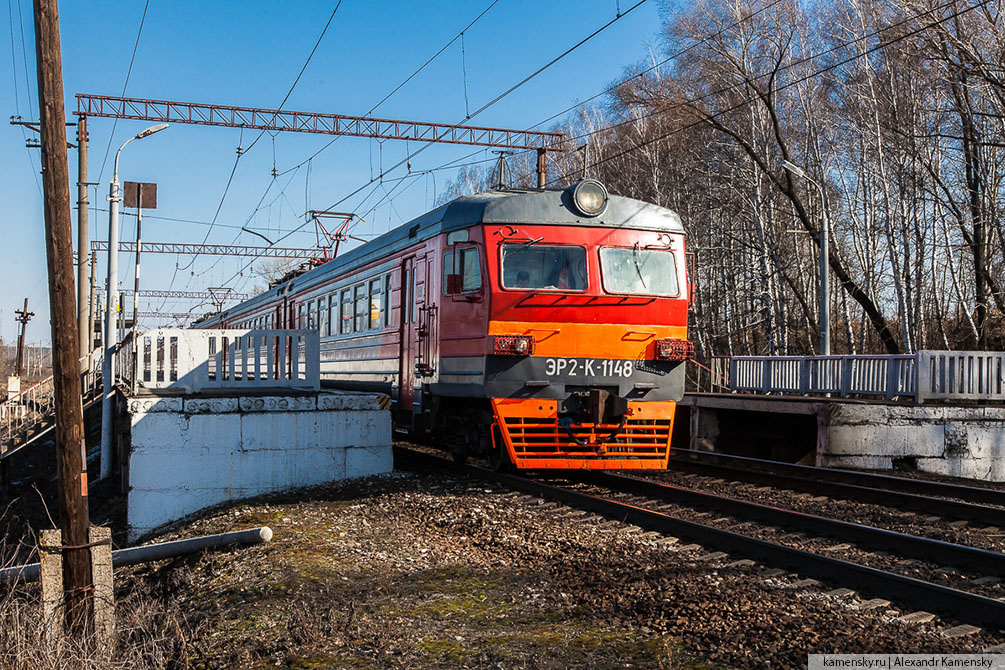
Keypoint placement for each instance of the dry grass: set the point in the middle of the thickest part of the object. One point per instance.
(151, 634)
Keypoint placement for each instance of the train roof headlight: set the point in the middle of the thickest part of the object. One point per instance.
(590, 197)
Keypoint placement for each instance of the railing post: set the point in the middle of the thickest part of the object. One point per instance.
(892, 376)
(313, 352)
(922, 377)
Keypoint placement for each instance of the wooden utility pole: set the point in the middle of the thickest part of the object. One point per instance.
(23, 317)
(72, 472)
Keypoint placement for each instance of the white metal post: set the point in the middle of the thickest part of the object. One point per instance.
(112, 302)
(825, 312)
(825, 308)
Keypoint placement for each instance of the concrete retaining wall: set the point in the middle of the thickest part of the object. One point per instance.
(188, 453)
(959, 441)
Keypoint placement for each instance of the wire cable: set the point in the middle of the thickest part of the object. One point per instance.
(129, 72)
(405, 81)
(13, 60)
(303, 69)
(794, 82)
(484, 107)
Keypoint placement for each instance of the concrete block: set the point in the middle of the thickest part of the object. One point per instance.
(211, 405)
(223, 449)
(51, 575)
(279, 431)
(964, 441)
(278, 403)
(885, 440)
(857, 462)
(141, 405)
(214, 431)
(364, 461)
(969, 468)
(158, 430)
(104, 588)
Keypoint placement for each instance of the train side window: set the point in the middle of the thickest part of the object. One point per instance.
(346, 312)
(362, 314)
(332, 300)
(406, 295)
(302, 320)
(544, 266)
(638, 271)
(323, 316)
(376, 304)
(461, 274)
(416, 295)
(387, 298)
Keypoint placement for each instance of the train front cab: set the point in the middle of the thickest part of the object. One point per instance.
(587, 342)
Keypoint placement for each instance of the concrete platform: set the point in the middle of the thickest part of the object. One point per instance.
(960, 440)
(189, 452)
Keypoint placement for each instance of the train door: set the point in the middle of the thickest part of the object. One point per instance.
(407, 328)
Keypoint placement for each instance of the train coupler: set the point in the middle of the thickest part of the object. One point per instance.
(595, 406)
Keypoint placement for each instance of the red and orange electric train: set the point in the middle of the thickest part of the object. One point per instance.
(537, 328)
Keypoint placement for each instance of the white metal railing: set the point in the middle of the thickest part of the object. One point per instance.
(193, 360)
(37, 403)
(926, 375)
(961, 375)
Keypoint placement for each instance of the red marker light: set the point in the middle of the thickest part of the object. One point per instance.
(673, 349)
(513, 345)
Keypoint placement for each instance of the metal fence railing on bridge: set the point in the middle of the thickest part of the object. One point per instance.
(28, 414)
(194, 360)
(925, 375)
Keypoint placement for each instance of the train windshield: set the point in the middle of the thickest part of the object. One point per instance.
(640, 271)
(542, 266)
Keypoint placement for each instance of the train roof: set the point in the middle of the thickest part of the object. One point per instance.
(513, 206)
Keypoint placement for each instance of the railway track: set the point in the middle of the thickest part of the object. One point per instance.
(646, 507)
(862, 487)
(689, 458)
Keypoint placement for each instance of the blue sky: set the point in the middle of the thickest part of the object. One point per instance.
(248, 54)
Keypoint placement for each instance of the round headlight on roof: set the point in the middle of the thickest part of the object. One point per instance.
(590, 197)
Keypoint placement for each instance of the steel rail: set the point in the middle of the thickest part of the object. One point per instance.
(950, 508)
(924, 548)
(891, 483)
(908, 590)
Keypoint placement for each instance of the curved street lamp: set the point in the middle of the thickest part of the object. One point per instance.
(825, 321)
(111, 304)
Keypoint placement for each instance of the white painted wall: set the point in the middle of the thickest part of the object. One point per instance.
(959, 441)
(191, 453)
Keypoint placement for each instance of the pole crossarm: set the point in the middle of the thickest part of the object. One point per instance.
(194, 295)
(312, 122)
(208, 249)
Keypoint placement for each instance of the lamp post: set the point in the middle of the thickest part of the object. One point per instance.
(825, 320)
(112, 301)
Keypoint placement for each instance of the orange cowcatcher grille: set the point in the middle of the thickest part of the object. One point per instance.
(534, 437)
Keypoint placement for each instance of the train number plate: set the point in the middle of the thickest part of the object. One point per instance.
(587, 367)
